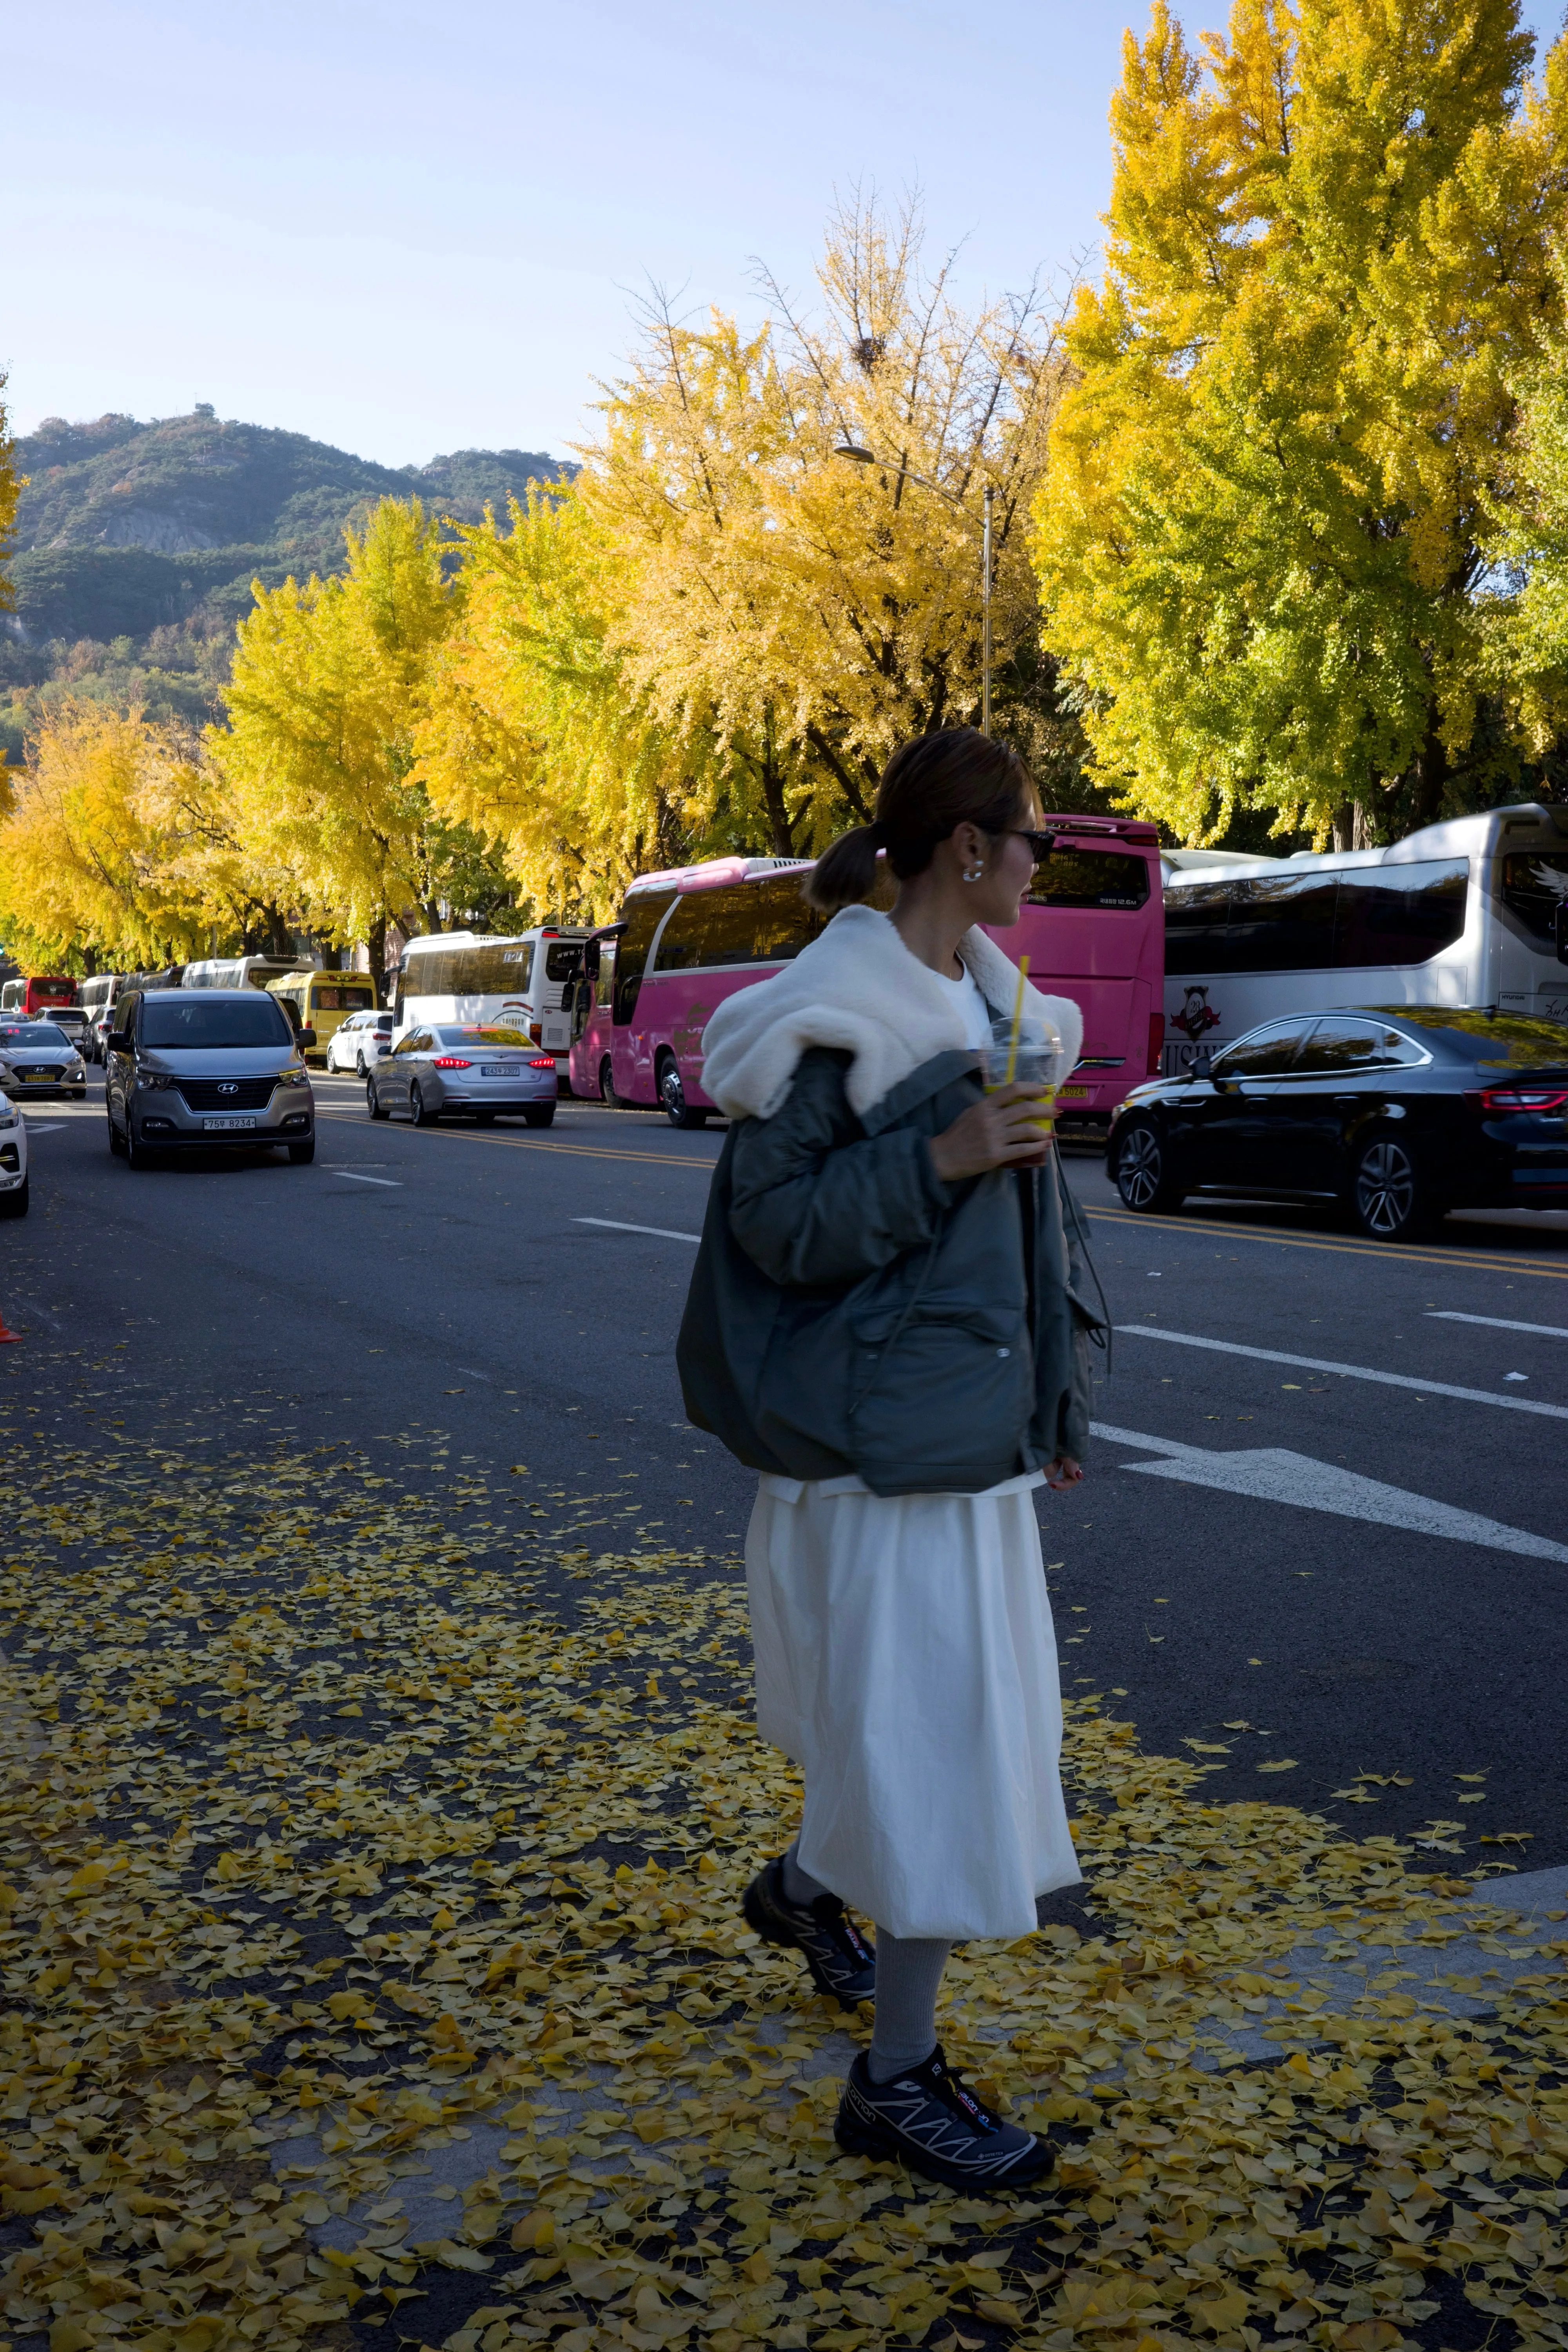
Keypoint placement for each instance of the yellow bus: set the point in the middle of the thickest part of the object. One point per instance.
(323, 1000)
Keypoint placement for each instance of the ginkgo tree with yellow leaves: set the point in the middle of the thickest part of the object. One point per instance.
(319, 747)
(1279, 484)
(806, 609)
(119, 847)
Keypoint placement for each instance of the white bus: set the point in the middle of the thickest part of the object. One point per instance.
(1473, 912)
(243, 971)
(525, 982)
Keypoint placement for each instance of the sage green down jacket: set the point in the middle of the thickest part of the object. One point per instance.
(850, 1311)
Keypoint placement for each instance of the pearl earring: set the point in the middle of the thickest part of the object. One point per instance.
(972, 873)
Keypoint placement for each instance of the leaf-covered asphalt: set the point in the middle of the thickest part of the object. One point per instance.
(357, 1815)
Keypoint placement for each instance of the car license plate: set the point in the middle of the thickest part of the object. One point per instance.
(1072, 1094)
(499, 1069)
(38, 1078)
(210, 1123)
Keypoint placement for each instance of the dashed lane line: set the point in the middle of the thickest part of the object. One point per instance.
(535, 1143)
(1275, 1475)
(614, 1225)
(1497, 1322)
(1346, 1372)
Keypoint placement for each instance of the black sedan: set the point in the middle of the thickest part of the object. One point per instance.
(1397, 1115)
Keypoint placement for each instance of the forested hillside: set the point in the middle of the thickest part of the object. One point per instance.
(136, 545)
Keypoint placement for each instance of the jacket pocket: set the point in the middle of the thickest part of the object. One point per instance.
(942, 1400)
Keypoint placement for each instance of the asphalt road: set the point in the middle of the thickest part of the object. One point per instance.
(489, 1295)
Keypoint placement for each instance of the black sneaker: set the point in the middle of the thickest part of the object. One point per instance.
(928, 2119)
(841, 1961)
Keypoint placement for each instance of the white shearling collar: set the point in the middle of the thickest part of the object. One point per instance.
(857, 988)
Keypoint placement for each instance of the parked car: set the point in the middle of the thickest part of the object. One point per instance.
(362, 1039)
(12, 1160)
(99, 1021)
(37, 1058)
(486, 1071)
(1396, 1115)
(209, 1067)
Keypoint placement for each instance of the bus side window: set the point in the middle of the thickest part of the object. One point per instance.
(1196, 929)
(644, 910)
(707, 928)
(783, 922)
(1400, 914)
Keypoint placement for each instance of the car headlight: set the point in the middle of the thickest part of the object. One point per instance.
(294, 1078)
(9, 1114)
(156, 1081)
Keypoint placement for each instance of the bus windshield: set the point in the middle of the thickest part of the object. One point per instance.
(207, 1026)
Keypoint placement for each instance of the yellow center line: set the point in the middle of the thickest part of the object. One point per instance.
(527, 1143)
(1395, 1250)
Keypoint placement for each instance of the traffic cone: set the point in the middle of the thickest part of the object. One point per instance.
(6, 1333)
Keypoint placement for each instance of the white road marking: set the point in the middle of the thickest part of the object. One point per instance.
(355, 1178)
(1496, 1322)
(1274, 1475)
(1348, 1372)
(614, 1226)
(53, 1128)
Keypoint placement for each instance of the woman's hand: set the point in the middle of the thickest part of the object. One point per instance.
(1063, 1472)
(997, 1132)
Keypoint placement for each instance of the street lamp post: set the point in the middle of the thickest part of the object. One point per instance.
(905, 473)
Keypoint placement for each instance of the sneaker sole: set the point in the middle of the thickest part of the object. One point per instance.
(887, 2147)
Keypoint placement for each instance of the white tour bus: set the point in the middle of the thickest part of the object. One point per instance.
(243, 971)
(1472, 912)
(525, 982)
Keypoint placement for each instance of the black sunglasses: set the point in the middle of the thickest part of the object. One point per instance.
(1041, 845)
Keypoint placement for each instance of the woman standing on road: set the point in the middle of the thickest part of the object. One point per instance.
(886, 1320)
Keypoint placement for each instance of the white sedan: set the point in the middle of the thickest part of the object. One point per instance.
(359, 1043)
(36, 1058)
(12, 1160)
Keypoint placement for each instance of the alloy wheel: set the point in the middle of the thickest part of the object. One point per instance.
(1386, 1189)
(1140, 1167)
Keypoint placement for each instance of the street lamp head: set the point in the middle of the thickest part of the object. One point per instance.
(861, 456)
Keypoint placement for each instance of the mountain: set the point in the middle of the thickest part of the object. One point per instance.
(125, 528)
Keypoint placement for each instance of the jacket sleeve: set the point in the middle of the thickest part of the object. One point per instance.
(814, 1203)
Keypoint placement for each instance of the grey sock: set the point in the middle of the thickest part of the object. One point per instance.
(909, 1975)
(799, 1886)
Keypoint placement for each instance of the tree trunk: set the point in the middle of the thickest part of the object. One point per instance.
(1352, 826)
(376, 942)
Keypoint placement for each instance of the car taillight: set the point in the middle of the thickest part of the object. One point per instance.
(1156, 1042)
(542, 1062)
(1495, 1098)
(449, 1062)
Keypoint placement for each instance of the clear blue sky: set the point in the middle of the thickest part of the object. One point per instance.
(415, 227)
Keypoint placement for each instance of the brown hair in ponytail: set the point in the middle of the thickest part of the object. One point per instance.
(930, 785)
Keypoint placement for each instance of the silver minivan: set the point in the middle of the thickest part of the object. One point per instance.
(208, 1067)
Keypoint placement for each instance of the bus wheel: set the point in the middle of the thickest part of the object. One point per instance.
(607, 1083)
(1142, 1169)
(672, 1094)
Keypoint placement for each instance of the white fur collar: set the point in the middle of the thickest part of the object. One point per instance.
(859, 988)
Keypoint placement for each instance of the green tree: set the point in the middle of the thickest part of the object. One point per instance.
(12, 484)
(1269, 530)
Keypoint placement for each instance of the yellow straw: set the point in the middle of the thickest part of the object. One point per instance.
(1018, 1020)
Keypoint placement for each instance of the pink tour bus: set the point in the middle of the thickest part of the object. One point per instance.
(1093, 929)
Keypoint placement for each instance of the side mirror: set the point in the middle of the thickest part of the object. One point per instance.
(303, 1037)
(1202, 1064)
(119, 1040)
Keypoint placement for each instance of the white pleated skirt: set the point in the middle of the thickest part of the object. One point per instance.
(906, 1660)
